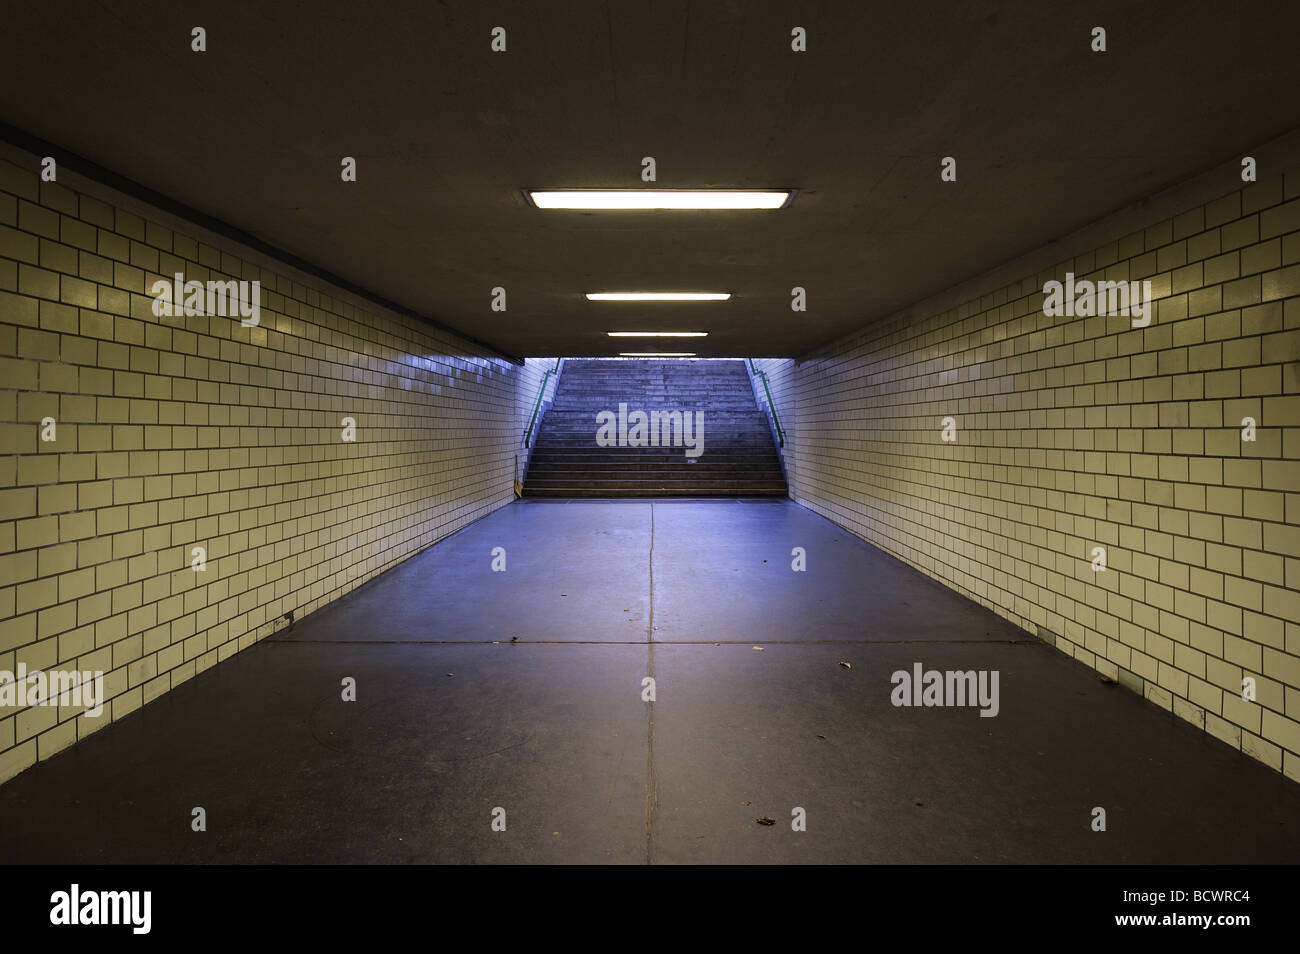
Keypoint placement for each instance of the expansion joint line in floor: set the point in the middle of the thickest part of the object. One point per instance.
(650, 792)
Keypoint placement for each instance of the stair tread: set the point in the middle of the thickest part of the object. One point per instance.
(739, 455)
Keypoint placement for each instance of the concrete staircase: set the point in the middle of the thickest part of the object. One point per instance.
(738, 459)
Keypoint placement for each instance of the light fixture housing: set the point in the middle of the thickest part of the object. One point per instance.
(658, 296)
(656, 354)
(650, 200)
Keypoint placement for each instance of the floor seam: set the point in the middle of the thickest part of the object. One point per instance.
(650, 796)
(658, 642)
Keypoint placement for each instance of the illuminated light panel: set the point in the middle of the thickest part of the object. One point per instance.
(657, 334)
(634, 200)
(656, 354)
(658, 296)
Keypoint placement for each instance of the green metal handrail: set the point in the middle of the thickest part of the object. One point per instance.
(771, 405)
(541, 393)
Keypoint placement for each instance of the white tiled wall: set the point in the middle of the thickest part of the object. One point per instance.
(1075, 433)
(196, 431)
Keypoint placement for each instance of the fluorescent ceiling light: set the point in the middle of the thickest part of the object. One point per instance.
(658, 296)
(657, 334)
(649, 199)
(656, 354)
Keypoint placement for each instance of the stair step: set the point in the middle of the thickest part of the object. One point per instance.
(772, 472)
(739, 457)
(599, 492)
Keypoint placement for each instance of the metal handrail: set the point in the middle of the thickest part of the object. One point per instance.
(541, 393)
(771, 405)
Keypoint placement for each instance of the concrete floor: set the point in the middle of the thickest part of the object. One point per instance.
(449, 725)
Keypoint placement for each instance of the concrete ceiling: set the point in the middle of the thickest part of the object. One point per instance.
(1048, 136)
